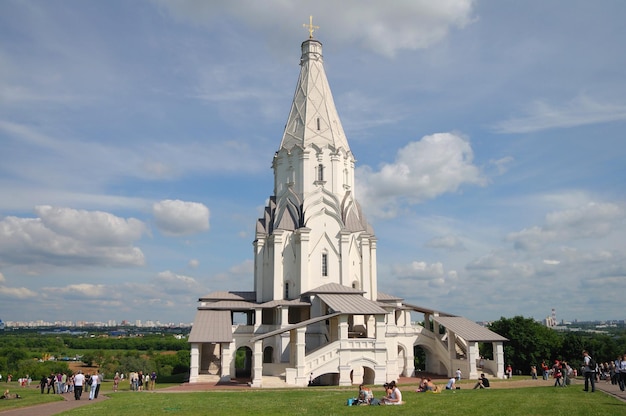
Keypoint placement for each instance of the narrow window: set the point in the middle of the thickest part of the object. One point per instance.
(318, 124)
(286, 290)
(324, 264)
(320, 172)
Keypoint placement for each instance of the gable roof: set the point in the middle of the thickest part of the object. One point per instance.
(333, 288)
(385, 297)
(352, 304)
(211, 326)
(244, 296)
(468, 330)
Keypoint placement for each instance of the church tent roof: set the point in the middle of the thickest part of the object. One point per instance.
(468, 330)
(351, 304)
(211, 326)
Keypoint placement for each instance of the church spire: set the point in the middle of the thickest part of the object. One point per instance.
(313, 119)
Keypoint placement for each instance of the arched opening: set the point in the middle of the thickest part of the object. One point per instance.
(243, 363)
(419, 355)
(268, 355)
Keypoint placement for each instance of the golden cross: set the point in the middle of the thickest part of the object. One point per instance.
(310, 27)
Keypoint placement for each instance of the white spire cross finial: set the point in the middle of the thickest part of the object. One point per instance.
(310, 27)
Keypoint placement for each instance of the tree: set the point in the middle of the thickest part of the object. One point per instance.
(529, 343)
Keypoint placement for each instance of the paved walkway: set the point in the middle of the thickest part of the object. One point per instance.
(51, 409)
(54, 408)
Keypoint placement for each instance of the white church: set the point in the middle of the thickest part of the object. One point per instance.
(315, 314)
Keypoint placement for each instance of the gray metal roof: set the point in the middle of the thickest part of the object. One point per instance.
(468, 330)
(423, 309)
(229, 305)
(294, 326)
(351, 304)
(333, 288)
(245, 296)
(211, 326)
(284, 302)
(383, 297)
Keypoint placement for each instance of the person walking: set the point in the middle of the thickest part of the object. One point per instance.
(94, 386)
(79, 382)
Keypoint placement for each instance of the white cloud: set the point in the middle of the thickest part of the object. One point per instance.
(17, 292)
(65, 236)
(423, 170)
(194, 263)
(580, 111)
(593, 220)
(82, 290)
(177, 218)
(408, 25)
(449, 242)
(95, 227)
(172, 283)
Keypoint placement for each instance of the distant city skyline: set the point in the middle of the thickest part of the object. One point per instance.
(137, 142)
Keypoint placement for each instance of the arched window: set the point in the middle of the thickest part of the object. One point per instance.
(324, 264)
(320, 172)
(268, 355)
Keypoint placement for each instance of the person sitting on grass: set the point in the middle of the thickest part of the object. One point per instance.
(422, 386)
(395, 397)
(483, 382)
(365, 395)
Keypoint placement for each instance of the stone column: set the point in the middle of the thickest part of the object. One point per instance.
(257, 364)
(228, 362)
(498, 356)
(194, 362)
(301, 375)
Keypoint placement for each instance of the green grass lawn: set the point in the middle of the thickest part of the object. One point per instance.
(30, 396)
(322, 401)
(327, 401)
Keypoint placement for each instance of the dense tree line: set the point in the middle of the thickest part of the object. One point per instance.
(30, 354)
(531, 343)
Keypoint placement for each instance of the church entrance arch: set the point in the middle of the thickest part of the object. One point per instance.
(243, 363)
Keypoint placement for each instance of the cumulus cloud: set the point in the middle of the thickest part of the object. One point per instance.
(82, 290)
(17, 292)
(177, 218)
(592, 220)
(67, 236)
(423, 170)
(408, 25)
(170, 282)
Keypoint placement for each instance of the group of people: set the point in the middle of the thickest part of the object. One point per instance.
(62, 383)
(617, 371)
(393, 395)
(426, 385)
(140, 381)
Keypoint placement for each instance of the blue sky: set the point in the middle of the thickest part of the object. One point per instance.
(137, 138)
